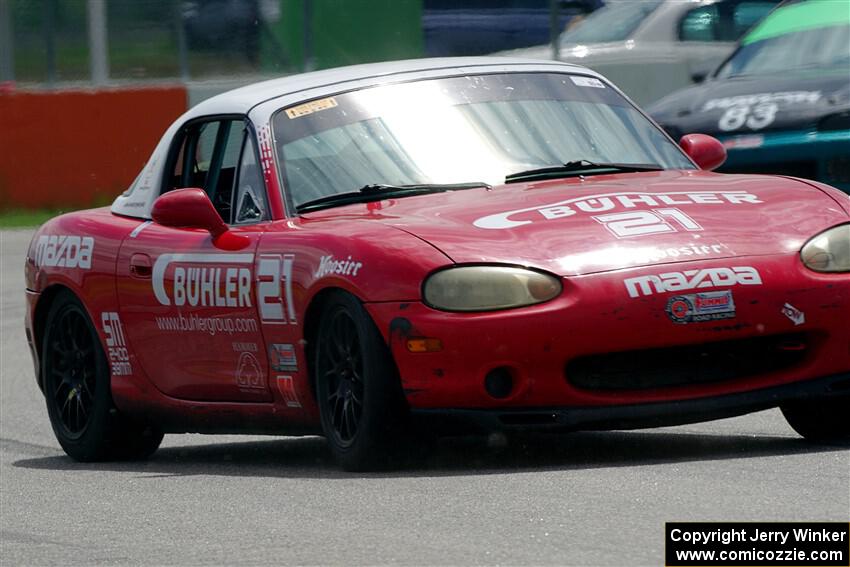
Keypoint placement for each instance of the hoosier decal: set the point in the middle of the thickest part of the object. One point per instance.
(330, 265)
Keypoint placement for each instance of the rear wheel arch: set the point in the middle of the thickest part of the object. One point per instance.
(77, 388)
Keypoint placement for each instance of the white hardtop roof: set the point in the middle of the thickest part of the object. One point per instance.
(243, 99)
(138, 200)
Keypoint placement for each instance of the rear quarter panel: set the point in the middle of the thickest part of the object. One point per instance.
(77, 252)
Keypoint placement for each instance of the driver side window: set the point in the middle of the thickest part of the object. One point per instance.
(250, 195)
(211, 156)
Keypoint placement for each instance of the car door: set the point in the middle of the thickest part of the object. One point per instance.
(187, 300)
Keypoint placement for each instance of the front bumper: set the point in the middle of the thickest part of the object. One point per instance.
(596, 319)
(637, 416)
(822, 156)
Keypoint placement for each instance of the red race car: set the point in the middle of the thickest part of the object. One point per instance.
(450, 242)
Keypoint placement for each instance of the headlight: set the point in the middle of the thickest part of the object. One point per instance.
(488, 288)
(828, 251)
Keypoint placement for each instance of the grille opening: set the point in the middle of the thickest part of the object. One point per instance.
(687, 365)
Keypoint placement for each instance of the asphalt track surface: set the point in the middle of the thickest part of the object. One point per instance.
(581, 499)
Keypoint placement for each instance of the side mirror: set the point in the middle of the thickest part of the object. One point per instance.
(188, 208)
(707, 152)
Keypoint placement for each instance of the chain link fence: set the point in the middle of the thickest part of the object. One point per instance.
(46, 42)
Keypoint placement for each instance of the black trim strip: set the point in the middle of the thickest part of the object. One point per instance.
(637, 416)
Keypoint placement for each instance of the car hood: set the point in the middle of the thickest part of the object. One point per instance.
(574, 226)
(797, 100)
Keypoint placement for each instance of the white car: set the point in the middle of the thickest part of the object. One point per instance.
(650, 48)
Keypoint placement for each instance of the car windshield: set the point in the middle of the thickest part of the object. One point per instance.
(468, 129)
(615, 22)
(806, 35)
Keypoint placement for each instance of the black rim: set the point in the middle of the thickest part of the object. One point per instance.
(71, 368)
(341, 370)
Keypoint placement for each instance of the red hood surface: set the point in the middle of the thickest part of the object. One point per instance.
(580, 226)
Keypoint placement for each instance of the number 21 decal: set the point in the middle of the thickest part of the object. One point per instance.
(640, 223)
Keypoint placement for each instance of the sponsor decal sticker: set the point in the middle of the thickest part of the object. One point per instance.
(664, 219)
(588, 82)
(283, 357)
(199, 282)
(286, 387)
(249, 374)
(795, 315)
(701, 307)
(116, 344)
(692, 279)
(329, 265)
(211, 326)
(264, 137)
(64, 251)
(311, 107)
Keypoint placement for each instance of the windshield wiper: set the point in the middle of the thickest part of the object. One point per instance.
(379, 191)
(582, 167)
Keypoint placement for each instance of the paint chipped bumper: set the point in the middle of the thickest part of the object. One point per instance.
(597, 346)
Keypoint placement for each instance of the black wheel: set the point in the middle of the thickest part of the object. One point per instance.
(361, 404)
(75, 377)
(826, 419)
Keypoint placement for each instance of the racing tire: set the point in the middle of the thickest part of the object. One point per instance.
(76, 384)
(820, 420)
(361, 403)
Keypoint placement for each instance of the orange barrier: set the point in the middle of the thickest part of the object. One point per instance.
(78, 148)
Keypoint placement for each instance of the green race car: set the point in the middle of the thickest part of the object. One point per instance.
(781, 102)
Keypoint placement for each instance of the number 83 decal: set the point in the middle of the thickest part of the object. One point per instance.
(755, 117)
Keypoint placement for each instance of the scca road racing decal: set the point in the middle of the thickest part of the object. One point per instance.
(692, 279)
(700, 307)
(63, 251)
(663, 220)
